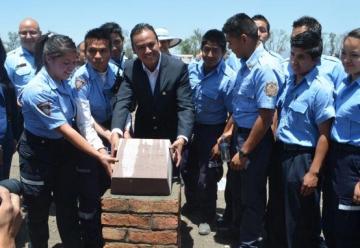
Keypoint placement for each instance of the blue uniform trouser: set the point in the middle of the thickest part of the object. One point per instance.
(293, 220)
(93, 182)
(47, 173)
(200, 174)
(8, 151)
(342, 223)
(248, 190)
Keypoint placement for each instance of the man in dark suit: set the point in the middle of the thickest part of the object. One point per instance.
(159, 86)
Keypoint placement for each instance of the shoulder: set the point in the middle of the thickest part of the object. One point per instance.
(322, 86)
(36, 90)
(80, 78)
(12, 57)
(330, 59)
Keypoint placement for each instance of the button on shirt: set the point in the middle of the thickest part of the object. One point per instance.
(46, 105)
(346, 126)
(20, 67)
(212, 93)
(329, 67)
(302, 107)
(256, 87)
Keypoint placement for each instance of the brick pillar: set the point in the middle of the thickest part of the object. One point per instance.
(141, 221)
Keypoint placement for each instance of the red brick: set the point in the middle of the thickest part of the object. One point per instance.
(162, 206)
(112, 233)
(126, 220)
(164, 222)
(114, 205)
(152, 237)
(127, 245)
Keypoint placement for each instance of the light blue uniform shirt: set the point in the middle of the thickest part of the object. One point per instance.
(20, 66)
(329, 67)
(346, 127)
(233, 62)
(89, 86)
(212, 93)
(46, 105)
(256, 87)
(302, 107)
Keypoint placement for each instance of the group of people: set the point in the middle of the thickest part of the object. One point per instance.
(293, 123)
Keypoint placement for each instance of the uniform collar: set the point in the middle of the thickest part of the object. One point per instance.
(254, 58)
(156, 68)
(309, 77)
(24, 52)
(348, 81)
(219, 68)
(51, 82)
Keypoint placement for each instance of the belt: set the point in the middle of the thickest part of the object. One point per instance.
(41, 140)
(345, 147)
(294, 147)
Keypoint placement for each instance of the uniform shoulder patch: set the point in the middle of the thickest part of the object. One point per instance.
(79, 83)
(45, 107)
(271, 89)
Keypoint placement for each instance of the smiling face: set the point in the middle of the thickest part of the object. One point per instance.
(60, 68)
(146, 47)
(350, 56)
(211, 54)
(98, 53)
(29, 33)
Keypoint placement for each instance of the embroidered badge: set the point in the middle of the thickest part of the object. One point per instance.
(271, 89)
(45, 107)
(79, 83)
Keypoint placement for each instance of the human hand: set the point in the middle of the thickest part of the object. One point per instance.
(310, 182)
(10, 217)
(238, 163)
(127, 134)
(114, 141)
(176, 149)
(107, 162)
(215, 152)
(356, 197)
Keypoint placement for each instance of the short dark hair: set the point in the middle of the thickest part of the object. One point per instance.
(310, 41)
(310, 22)
(98, 34)
(113, 27)
(354, 33)
(216, 36)
(241, 24)
(259, 17)
(139, 28)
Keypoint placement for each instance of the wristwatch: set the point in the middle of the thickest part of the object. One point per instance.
(242, 154)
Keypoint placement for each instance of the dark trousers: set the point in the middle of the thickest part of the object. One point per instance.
(293, 220)
(93, 182)
(200, 174)
(47, 173)
(342, 224)
(8, 151)
(248, 190)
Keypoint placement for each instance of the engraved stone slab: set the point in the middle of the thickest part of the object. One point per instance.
(144, 167)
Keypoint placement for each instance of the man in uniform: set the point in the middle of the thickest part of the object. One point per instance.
(254, 100)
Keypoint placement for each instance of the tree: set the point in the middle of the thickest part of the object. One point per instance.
(278, 42)
(332, 43)
(192, 44)
(13, 41)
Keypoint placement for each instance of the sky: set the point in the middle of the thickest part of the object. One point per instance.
(74, 18)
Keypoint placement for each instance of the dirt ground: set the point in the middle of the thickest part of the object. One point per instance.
(189, 229)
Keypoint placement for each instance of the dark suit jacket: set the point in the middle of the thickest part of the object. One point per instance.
(168, 112)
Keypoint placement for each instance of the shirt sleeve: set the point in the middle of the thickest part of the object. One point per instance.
(324, 105)
(266, 88)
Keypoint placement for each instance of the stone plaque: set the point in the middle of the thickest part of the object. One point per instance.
(144, 167)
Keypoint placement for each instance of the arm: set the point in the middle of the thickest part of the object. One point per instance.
(79, 142)
(261, 126)
(226, 136)
(10, 218)
(310, 180)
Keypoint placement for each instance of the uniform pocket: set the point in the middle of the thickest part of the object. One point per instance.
(22, 71)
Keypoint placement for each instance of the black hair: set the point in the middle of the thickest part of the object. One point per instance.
(98, 34)
(310, 41)
(3, 74)
(113, 27)
(241, 24)
(309, 22)
(53, 45)
(355, 33)
(139, 28)
(259, 17)
(216, 36)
